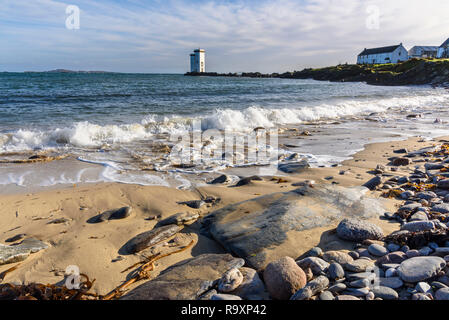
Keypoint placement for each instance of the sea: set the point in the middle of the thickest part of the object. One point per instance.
(115, 127)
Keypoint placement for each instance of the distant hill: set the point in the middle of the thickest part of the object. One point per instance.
(67, 71)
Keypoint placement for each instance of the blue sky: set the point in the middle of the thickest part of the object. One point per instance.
(238, 35)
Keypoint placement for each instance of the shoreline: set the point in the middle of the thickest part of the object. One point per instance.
(93, 247)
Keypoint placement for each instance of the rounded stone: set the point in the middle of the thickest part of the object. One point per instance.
(360, 265)
(317, 265)
(346, 297)
(392, 247)
(339, 287)
(420, 268)
(336, 271)
(412, 253)
(338, 257)
(442, 294)
(316, 252)
(392, 272)
(230, 280)
(385, 293)
(423, 287)
(283, 278)
(326, 296)
(377, 250)
(358, 230)
(225, 297)
(252, 287)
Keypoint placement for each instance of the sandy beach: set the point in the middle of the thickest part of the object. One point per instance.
(59, 217)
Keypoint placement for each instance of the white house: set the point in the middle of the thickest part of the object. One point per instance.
(443, 50)
(198, 61)
(392, 54)
(423, 52)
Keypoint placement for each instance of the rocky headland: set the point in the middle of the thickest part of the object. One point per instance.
(412, 72)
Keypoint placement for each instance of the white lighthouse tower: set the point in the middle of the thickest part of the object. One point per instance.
(198, 61)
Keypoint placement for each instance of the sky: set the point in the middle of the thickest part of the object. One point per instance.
(257, 35)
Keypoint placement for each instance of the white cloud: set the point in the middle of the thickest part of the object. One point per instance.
(157, 36)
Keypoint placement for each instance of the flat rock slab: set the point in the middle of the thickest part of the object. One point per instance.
(256, 228)
(16, 253)
(186, 280)
(420, 268)
(151, 238)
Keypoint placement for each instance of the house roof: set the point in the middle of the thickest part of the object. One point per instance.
(379, 50)
(423, 48)
(445, 44)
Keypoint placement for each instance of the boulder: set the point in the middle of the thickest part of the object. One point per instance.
(283, 278)
(186, 280)
(358, 230)
(262, 229)
(420, 268)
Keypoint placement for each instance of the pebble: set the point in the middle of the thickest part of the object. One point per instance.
(335, 271)
(362, 283)
(377, 250)
(385, 293)
(392, 282)
(317, 265)
(423, 287)
(443, 251)
(412, 253)
(357, 292)
(315, 252)
(222, 296)
(420, 268)
(336, 288)
(312, 288)
(358, 230)
(370, 296)
(346, 297)
(425, 251)
(230, 280)
(442, 294)
(391, 273)
(326, 296)
(360, 265)
(392, 247)
(337, 256)
(392, 257)
(354, 255)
